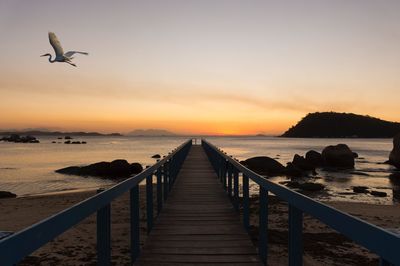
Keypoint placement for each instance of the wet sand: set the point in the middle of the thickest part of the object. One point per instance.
(77, 246)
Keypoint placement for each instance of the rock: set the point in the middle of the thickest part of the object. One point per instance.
(67, 142)
(308, 186)
(67, 137)
(156, 156)
(75, 142)
(378, 193)
(395, 181)
(83, 142)
(120, 167)
(338, 156)
(18, 139)
(264, 165)
(293, 171)
(359, 173)
(7, 194)
(53, 142)
(136, 168)
(360, 189)
(291, 184)
(355, 154)
(302, 163)
(394, 157)
(314, 158)
(115, 169)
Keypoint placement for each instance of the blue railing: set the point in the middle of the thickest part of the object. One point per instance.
(17, 246)
(376, 239)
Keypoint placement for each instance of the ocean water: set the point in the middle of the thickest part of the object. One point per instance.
(28, 169)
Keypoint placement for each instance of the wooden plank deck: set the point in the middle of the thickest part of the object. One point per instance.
(198, 225)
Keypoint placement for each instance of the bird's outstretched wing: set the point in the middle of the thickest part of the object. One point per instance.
(71, 53)
(56, 44)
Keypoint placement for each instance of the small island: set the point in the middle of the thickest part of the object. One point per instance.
(342, 125)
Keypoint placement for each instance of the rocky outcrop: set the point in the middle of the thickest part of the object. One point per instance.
(303, 164)
(394, 157)
(307, 186)
(293, 171)
(156, 156)
(378, 193)
(315, 158)
(7, 194)
(264, 165)
(338, 156)
(360, 189)
(20, 139)
(114, 170)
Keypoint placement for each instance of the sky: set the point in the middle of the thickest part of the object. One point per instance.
(197, 67)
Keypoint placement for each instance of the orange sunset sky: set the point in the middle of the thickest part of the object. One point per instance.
(197, 67)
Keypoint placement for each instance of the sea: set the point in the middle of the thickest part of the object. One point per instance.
(29, 169)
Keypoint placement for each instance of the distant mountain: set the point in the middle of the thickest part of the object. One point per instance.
(56, 133)
(342, 125)
(151, 132)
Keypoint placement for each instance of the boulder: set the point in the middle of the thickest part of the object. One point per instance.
(395, 182)
(307, 186)
(360, 189)
(302, 163)
(7, 194)
(293, 171)
(264, 165)
(136, 168)
(115, 169)
(314, 158)
(378, 193)
(156, 156)
(394, 157)
(338, 156)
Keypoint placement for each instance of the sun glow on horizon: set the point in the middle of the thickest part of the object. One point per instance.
(198, 67)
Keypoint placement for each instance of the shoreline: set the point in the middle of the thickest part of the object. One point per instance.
(77, 245)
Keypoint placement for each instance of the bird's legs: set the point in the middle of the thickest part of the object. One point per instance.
(72, 64)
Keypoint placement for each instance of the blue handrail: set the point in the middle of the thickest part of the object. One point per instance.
(17, 246)
(382, 242)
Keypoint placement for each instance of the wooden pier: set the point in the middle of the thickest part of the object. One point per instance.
(198, 224)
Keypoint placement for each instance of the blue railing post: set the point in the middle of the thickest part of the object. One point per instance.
(170, 173)
(166, 180)
(295, 236)
(236, 189)
(135, 223)
(246, 207)
(230, 171)
(149, 202)
(159, 190)
(263, 225)
(104, 235)
(226, 169)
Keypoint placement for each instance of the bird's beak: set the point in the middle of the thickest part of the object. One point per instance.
(43, 55)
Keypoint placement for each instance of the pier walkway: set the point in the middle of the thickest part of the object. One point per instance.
(198, 223)
(198, 192)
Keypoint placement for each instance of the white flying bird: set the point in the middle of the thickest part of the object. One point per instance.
(60, 56)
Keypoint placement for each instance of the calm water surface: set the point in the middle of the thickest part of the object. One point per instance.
(27, 169)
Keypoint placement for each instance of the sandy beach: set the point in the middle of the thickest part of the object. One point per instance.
(77, 246)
